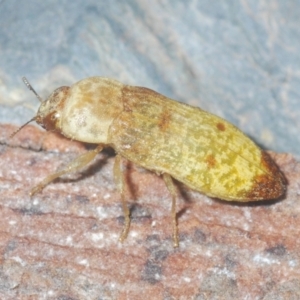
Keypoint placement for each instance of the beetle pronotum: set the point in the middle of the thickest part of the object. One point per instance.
(199, 149)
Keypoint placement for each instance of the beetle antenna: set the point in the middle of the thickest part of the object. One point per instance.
(15, 132)
(26, 82)
(31, 88)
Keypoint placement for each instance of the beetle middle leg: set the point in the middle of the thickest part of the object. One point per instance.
(78, 163)
(171, 187)
(119, 181)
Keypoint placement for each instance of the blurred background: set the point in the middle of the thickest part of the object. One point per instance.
(238, 59)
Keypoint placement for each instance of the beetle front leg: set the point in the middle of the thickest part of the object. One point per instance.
(78, 163)
(119, 181)
(171, 187)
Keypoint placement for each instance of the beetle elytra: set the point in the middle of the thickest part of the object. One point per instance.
(199, 149)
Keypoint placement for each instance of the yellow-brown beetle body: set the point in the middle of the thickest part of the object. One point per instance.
(197, 148)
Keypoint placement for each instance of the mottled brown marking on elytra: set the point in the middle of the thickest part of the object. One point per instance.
(146, 91)
(210, 160)
(268, 186)
(270, 165)
(126, 106)
(221, 126)
(164, 120)
(125, 93)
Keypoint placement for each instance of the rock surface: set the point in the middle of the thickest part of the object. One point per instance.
(63, 242)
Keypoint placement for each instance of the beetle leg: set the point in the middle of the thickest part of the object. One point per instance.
(171, 187)
(78, 163)
(119, 181)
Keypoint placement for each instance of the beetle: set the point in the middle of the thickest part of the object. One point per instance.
(176, 140)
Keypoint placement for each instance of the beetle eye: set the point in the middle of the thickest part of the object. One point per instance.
(55, 116)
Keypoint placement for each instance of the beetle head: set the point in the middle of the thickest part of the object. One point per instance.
(48, 115)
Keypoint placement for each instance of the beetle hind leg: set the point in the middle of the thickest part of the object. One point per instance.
(119, 181)
(171, 187)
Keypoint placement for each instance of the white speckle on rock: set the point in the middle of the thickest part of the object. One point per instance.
(106, 196)
(101, 212)
(84, 262)
(96, 237)
(69, 240)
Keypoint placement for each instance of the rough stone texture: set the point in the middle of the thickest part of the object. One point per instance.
(63, 242)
